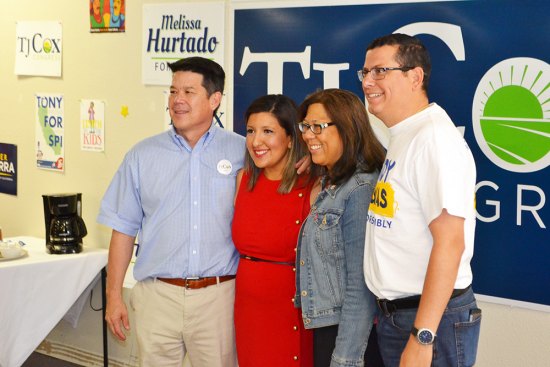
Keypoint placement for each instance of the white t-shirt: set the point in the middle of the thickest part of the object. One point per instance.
(428, 168)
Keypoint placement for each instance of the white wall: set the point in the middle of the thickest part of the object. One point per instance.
(102, 66)
(108, 67)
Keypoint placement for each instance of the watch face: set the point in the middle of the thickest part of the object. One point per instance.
(425, 336)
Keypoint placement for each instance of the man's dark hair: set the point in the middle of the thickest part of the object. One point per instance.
(411, 52)
(213, 76)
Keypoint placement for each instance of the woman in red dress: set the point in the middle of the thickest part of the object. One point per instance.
(270, 205)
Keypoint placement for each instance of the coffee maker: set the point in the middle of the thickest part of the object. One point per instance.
(64, 225)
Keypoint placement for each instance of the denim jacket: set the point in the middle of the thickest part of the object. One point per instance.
(330, 285)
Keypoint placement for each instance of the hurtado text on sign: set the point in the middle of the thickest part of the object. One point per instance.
(183, 43)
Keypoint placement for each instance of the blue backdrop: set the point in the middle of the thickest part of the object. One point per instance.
(506, 43)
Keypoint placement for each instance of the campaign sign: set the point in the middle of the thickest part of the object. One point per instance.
(490, 73)
(50, 131)
(38, 48)
(175, 31)
(8, 169)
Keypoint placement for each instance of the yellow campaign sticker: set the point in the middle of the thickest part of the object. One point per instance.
(383, 200)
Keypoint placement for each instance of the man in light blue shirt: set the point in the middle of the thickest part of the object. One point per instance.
(176, 190)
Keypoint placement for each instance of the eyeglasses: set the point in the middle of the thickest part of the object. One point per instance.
(314, 128)
(379, 73)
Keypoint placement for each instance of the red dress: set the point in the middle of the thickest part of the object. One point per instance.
(269, 330)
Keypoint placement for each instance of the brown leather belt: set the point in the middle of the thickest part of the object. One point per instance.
(196, 283)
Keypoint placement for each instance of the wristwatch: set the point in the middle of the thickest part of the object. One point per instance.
(423, 336)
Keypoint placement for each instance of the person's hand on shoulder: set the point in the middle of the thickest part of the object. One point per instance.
(304, 164)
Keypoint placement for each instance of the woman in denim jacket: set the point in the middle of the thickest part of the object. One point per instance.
(330, 285)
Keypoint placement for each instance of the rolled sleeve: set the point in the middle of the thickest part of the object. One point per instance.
(121, 205)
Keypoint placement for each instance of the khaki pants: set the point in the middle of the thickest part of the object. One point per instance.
(173, 322)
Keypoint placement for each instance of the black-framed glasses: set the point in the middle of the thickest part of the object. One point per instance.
(314, 128)
(379, 73)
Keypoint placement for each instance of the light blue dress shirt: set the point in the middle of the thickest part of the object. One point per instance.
(180, 201)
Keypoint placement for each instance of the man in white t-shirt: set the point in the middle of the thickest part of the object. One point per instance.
(420, 232)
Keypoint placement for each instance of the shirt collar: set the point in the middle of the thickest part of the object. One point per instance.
(329, 189)
(203, 141)
(411, 121)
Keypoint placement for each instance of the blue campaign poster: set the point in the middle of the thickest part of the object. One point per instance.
(8, 169)
(491, 74)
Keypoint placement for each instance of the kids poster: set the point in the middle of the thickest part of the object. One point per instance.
(92, 125)
(8, 169)
(50, 130)
(38, 48)
(107, 16)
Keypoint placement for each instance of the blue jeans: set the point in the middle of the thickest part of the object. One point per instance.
(457, 335)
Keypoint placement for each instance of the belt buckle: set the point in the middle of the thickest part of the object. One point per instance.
(188, 279)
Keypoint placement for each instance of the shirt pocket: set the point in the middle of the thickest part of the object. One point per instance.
(328, 230)
(222, 194)
(219, 183)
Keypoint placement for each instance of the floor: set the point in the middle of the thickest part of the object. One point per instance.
(42, 360)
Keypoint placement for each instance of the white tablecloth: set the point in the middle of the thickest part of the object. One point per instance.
(36, 291)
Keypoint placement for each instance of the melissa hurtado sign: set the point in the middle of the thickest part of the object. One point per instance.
(175, 31)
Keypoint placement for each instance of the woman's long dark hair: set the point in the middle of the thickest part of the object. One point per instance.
(285, 111)
(362, 150)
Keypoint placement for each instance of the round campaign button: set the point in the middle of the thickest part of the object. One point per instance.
(224, 167)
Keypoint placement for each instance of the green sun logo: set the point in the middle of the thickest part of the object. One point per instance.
(47, 46)
(511, 125)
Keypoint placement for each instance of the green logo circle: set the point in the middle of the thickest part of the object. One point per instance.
(510, 120)
(47, 46)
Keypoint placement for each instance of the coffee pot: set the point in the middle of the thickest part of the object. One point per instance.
(64, 225)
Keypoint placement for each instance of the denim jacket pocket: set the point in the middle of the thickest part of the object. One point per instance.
(329, 236)
(327, 218)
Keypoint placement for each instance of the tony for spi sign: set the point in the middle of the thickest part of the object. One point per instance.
(175, 31)
(8, 169)
(38, 48)
(493, 84)
(50, 131)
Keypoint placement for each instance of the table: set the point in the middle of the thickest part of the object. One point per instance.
(37, 290)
